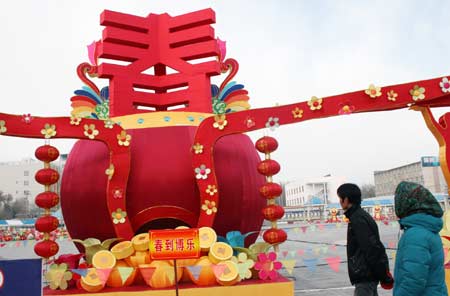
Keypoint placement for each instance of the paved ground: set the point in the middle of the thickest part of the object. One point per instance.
(316, 243)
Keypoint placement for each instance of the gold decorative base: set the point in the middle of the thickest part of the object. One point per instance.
(280, 287)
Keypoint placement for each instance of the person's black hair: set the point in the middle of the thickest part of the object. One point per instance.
(350, 191)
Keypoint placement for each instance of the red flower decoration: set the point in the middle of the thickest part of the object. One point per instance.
(268, 266)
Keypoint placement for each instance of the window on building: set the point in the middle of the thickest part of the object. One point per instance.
(26, 173)
(26, 192)
(26, 183)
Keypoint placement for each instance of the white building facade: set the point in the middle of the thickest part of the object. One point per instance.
(313, 191)
(17, 177)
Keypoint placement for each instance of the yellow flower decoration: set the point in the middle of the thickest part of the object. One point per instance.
(315, 103)
(220, 121)
(49, 131)
(124, 139)
(90, 131)
(209, 207)
(417, 93)
(297, 113)
(198, 148)
(110, 171)
(244, 265)
(211, 190)
(373, 91)
(3, 128)
(119, 216)
(75, 120)
(58, 275)
(392, 95)
(109, 123)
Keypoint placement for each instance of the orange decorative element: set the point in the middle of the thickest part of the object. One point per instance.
(46, 153)
(297, 113)
(266, 144)
(373, 91)
(123, 139)
(163, 275)
(174, 244)
(75, 120)
(115, 280)
(392, 95)
(140, 242)
(206, 276)
(91, 282)
(103, 259)
(209, 207)
(198, 148)
(90, 131)
(122, 250)
(417, 93)
(220, 121)
(119, 216)
(211, 190)
(49, 131)
(3, 128)
(315, 103)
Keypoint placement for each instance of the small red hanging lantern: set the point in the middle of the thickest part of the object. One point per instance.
(46, 224)
(273, 212)
(47, 176)
(266, 145)
(268, 167)
(46, 248)
(270, 190)
(46, 153)
(47, 199)
(275, 236)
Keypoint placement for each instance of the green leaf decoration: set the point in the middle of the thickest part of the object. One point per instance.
(106, 244)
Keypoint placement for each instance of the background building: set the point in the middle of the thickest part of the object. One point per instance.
(321, 190)
(17, 180)
(426, 172)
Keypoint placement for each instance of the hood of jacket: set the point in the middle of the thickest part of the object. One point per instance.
(411, 198)
(431, 223)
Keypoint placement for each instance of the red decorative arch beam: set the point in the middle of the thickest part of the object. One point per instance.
(115, 138)
(426, 92)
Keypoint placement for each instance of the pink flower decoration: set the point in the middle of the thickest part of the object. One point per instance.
(268, 266)
(27, 118)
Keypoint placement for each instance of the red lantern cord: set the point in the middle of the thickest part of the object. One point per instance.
(270, 191)
(46, 200)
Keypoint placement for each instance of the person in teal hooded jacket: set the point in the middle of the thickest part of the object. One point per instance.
(419, 263)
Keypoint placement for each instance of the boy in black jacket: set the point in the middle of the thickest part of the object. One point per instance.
(367, 260)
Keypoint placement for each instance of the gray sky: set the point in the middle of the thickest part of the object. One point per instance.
(288, 51)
